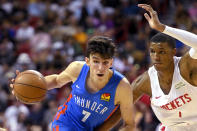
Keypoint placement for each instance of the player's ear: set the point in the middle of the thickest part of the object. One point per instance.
(174, 51)
(87, 60)
(111, 62)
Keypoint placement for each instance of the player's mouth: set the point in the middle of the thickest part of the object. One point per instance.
(157, 63)
(100, 75)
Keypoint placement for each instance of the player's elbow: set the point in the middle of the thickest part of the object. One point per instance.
(52, 81)
(131, 124)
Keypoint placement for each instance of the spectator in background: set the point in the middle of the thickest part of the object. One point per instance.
(193, 11)
(24, 32)
(12, 113)
(24, 62)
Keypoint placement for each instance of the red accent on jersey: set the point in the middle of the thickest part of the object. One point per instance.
(163, 128)
(157, 97)
(180, 115)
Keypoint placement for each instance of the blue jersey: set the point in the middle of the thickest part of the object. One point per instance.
(84, 110)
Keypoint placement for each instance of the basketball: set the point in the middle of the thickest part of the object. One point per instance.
(30, 87)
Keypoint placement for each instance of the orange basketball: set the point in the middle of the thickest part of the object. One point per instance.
(30, 87)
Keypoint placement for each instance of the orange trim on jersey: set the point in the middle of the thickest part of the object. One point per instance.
(61, 112)
(56, 128)
(59, 108)
(70, 96)
(57, 115)
(112, 113)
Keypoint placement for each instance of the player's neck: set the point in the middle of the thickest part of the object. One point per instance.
(165, 79)
(167, 72)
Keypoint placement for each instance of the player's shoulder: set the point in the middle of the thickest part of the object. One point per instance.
(77, 64)
(75, 67)
(124, 85)
(124, 82)
(142, 83)
(143, 78)
(123, 89)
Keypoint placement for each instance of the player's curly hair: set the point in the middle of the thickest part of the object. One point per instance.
(102, 45)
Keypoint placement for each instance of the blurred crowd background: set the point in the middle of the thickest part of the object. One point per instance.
(46, 35)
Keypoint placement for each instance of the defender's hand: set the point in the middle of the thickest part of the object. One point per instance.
(153, 18)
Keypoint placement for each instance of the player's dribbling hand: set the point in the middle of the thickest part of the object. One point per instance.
(12, 81)
(153, 18)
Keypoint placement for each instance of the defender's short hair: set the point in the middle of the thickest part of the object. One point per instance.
(101, 45)
(161, 37)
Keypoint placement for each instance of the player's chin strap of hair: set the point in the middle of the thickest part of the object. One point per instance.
(186, 37)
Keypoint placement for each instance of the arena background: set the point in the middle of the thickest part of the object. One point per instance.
(46, 35)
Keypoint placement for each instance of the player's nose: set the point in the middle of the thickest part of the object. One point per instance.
(156, 57)
(101, 67)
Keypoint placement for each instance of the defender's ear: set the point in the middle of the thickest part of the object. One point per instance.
(174, 51)
(87, 60)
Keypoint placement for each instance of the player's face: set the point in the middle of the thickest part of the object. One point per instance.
(99, 67)
(161, 55)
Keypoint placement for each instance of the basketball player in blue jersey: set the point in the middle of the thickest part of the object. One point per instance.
(97, 90)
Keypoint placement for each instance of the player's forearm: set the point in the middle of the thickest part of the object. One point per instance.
(186, 37)
(51, 81)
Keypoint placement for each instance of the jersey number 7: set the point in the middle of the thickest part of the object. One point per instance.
(86, 115)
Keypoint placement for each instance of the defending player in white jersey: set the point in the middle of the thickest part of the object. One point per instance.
(171, 81)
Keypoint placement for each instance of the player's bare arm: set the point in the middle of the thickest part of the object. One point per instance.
(70, 74)
(124, 97)
(141, 85)
(188, 69)
(189, 60)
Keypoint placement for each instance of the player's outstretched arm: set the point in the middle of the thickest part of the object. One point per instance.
(69, 74)
(186, 37)
(189, 60)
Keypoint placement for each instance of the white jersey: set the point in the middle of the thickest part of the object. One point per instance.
(177, 110)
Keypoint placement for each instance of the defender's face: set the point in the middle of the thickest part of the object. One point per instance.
(99, 67)
(161, 55)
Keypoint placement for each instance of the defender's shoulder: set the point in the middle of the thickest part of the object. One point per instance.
(142, 84)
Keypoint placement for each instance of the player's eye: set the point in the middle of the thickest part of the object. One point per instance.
(105, 62)
(152, 51)
(162, 52)
(95, 61)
